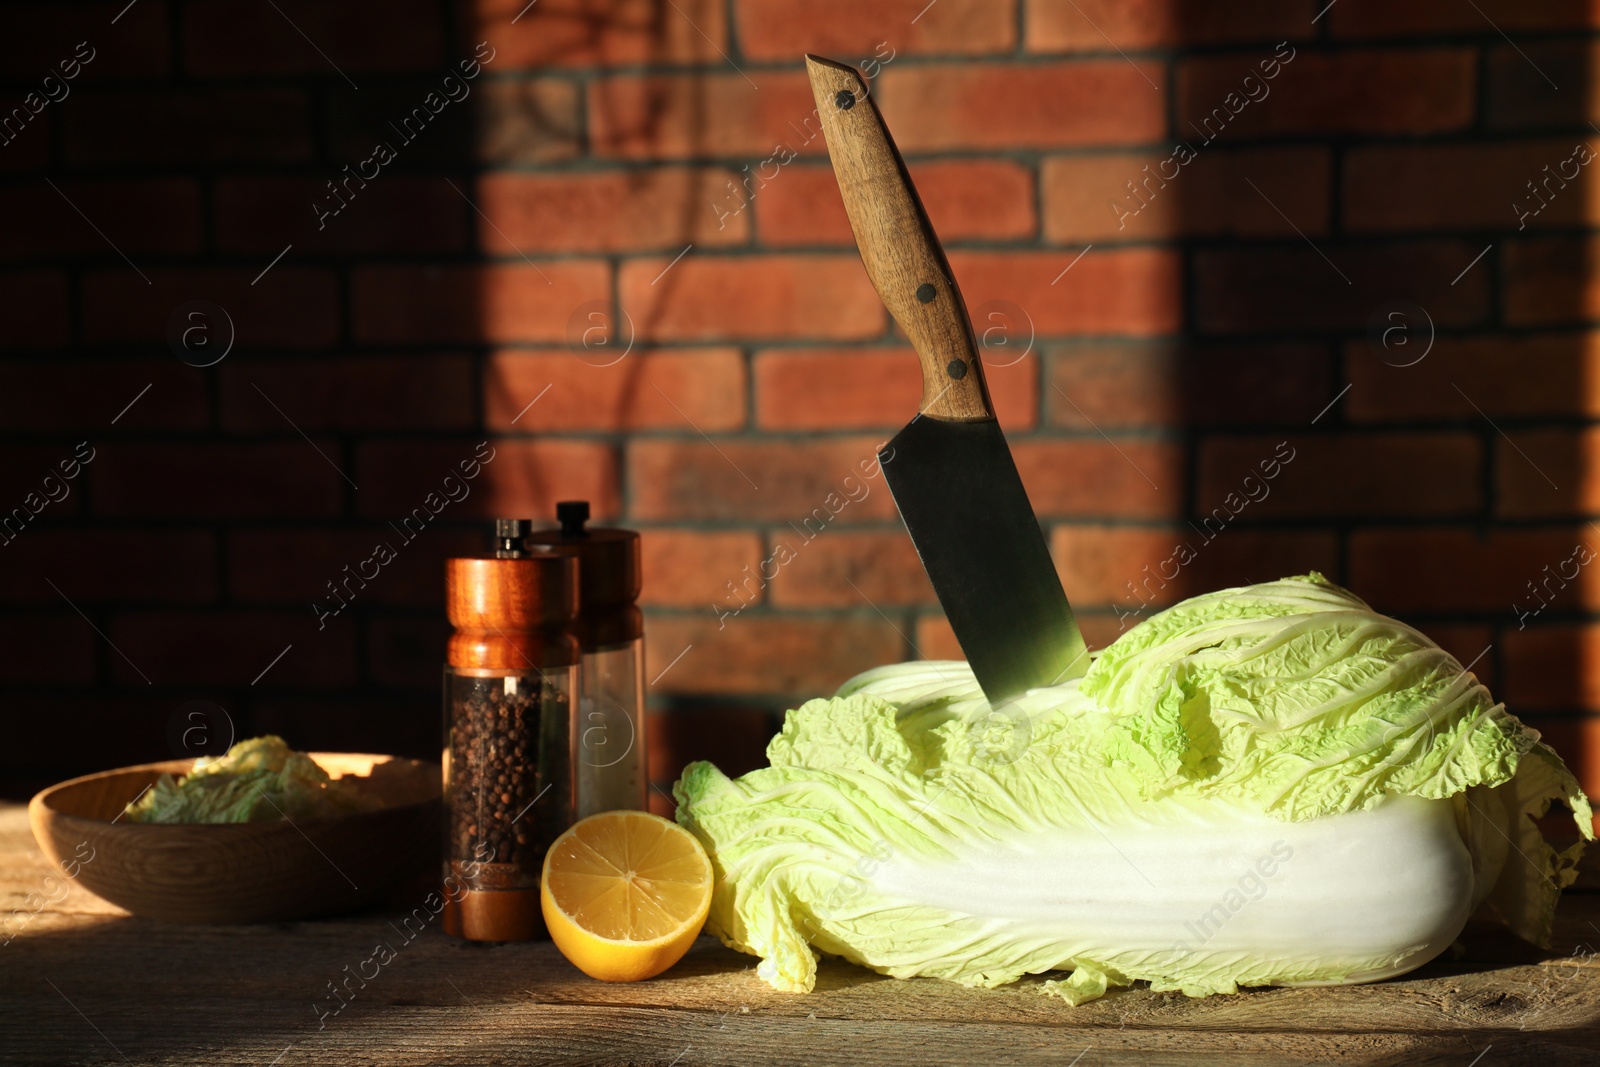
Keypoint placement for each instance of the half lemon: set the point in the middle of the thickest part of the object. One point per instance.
(624, 894)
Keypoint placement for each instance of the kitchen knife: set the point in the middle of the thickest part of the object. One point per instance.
(949, 469)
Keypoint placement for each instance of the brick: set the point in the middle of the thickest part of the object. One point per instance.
(750, 297)
(188, 126)
(227, 38)
(55, 647)
(1342, 475)
(169, 565)
(1551, 280)
(231, 648)
(1577, 740)
(935, 639)
(25, 471)
(748, 584)
(1131, 478)
(1547, 473)
(783, 29)
(989, 199)
(660, 801)
(534, 121)
(845, 569)
(35, 39)
(678, 389)
(157, 216)
(353, 393)
(1374, 18)
(1134, 291)
(514, 478)
(1512, 571)
(1106, 25)
(295, 565)
(1088, 198)
(28, 122)
(33, 305)
(291, 307)
(25, 147)
(580, 33)
(1472, 646)
(1463, 376)
(447, 304)
(1048, 105)
(703, 115)
(1519, 97)
(735, 739)
(75, 395)
(125, 730)
(610, 211)
(769, 481)
(1154, 384)
(691, 568)
(258, 215)
(1259, 290)
(1552, 667)
(794, 657)
(874, 388)
(1135, 571)
(1136, 384)
(1389, 189)
(396, 723)
(357, 123)
(213, 480)
(1008, 346)
(404, 652)
(1411, 91)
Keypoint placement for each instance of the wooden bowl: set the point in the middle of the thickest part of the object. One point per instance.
(242, 872)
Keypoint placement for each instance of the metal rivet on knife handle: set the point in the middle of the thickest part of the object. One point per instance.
(987, 558)
(844, 100)
(926, 292)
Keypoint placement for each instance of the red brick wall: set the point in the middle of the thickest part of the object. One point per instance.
(1144, 358)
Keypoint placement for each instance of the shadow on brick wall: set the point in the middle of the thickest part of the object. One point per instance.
(1342, 329)
(1386, 280)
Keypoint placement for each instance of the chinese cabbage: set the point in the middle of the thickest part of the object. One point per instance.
(1265, 785)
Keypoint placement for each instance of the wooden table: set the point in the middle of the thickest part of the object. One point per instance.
(82, 982)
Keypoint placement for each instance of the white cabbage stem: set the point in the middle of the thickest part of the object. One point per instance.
(1362, 895)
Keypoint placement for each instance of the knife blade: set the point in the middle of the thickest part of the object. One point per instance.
(950, 469)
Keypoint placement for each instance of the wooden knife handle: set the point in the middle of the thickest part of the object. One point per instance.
(898, 246)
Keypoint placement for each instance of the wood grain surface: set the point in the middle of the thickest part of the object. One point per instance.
(512, 614)
(82, 982)
(897, 243)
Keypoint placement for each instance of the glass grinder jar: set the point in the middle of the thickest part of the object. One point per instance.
(611, 768)
(509, 684)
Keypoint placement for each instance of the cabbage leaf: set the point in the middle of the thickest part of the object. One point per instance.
(1265, 785)
(256, 780)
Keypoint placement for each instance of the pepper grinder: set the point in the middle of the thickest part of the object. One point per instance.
(509, 682)
(612, 770)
